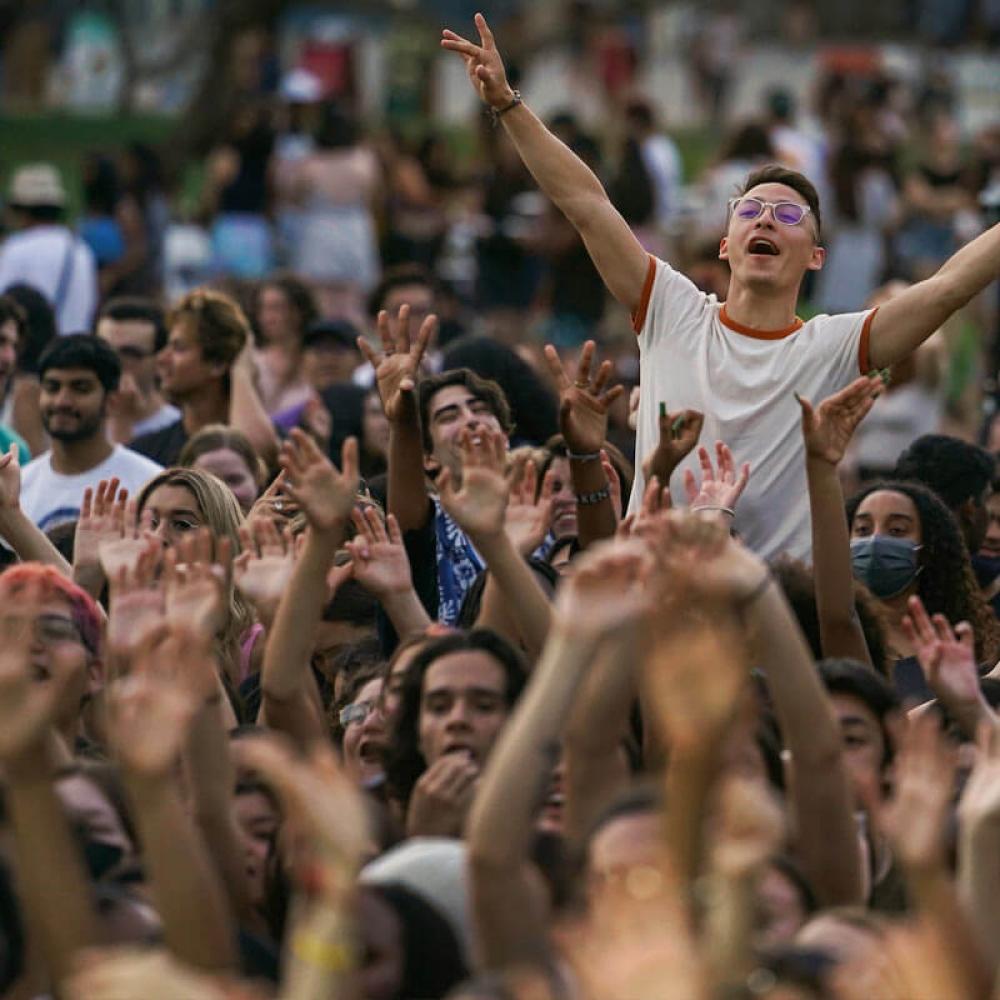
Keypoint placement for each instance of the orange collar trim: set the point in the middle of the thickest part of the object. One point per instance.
(749, 331)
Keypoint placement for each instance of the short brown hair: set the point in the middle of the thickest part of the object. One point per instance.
(483, 389)
(220, 325)
(774, 173)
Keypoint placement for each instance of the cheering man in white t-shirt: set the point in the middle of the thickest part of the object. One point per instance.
(739, 363)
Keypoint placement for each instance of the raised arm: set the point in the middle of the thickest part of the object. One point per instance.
(16, 528)
(397, 369)
(479, 508)
(604, 596)
(246, 411)
(290, 700)
(563, 176)
(827, 431)
(52, 883)
(583, 421)
(903, 323)
(150, 718)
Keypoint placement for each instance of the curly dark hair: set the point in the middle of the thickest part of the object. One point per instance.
(797, 581)
(946, 585)
(299, 296)
(405, 763)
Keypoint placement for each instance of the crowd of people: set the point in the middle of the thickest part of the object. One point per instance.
(345, 652)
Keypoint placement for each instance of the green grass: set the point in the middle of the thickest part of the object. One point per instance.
(64, 139)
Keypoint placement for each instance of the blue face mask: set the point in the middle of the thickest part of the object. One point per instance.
(885, 565)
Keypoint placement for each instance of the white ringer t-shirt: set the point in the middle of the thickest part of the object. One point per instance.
(691, 355)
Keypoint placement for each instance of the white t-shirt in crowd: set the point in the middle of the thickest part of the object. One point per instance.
(36, 256)
(691, 355)
(163, 417)
(50, 498)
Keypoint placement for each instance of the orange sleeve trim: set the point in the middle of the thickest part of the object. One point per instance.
(864, 357)
(749, 331)
(639, 316)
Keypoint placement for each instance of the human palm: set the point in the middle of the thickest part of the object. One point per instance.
(827, 430)
(480, 505)
(947, 656)
(134, 615)
(398, 365)
(529, 516)
(101, 520)
(10, 480)
(584, 401)
(482, 62)
(679, 433)
(148, 723)
(262, 579)
(721, 485)
(325, 495)
(607, 589)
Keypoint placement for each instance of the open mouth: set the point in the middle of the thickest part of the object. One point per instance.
(762, 247)
(460, 748)
(370, 752)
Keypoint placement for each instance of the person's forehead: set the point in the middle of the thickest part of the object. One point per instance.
(8, 330)
(125, 331)
(171, 496)
(853, 710)
(69, 375)
(221, 458)
(463, 669)
(413, 294)
(452, 395)
(776, 192)
(369, 691)
(888, 503)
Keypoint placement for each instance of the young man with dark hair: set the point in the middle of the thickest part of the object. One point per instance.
(959, 473)
(78, 374)
(740, 363)
(136, 329)
(204, 368)
(44, 252)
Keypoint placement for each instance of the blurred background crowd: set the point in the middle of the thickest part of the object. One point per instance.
(297, 154)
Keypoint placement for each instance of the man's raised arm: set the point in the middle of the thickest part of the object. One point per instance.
(561, 175)
(901, 325)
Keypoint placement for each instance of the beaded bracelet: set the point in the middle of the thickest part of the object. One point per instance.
(598, 496)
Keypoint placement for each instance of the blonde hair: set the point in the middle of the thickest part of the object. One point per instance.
(223, 518)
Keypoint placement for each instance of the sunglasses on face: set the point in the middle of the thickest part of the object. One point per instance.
(788, 213)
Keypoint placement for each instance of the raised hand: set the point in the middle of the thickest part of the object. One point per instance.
(529, 515)
(274, 502)
(118, 553)
(10, 480)
(137, 601)
(482, 63)
(379, 556)
(583, 402)
(606, 589)
(151, 710)
(916, 818)
(679, 433)
(442, 796)
(262, 570)
(27, 707)
(102, 519)
(196, 583)
(720, 488)
(398, 365)
(751, 826)
(947, 658)
(324, 495)
(828, 429)
(319, 799)
(480, 506)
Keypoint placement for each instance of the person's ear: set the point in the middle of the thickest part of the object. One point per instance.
(431, 466)
(724, 248)
(817, 258)
(95, 676)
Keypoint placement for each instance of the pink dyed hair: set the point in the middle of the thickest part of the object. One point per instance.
(54, 586)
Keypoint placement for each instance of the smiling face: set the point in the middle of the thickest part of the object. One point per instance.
(563, 499)
(766, 254)
(452, 410)
(463, 706)
(73, 404)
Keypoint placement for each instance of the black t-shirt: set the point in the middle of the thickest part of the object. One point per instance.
(163, 446)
